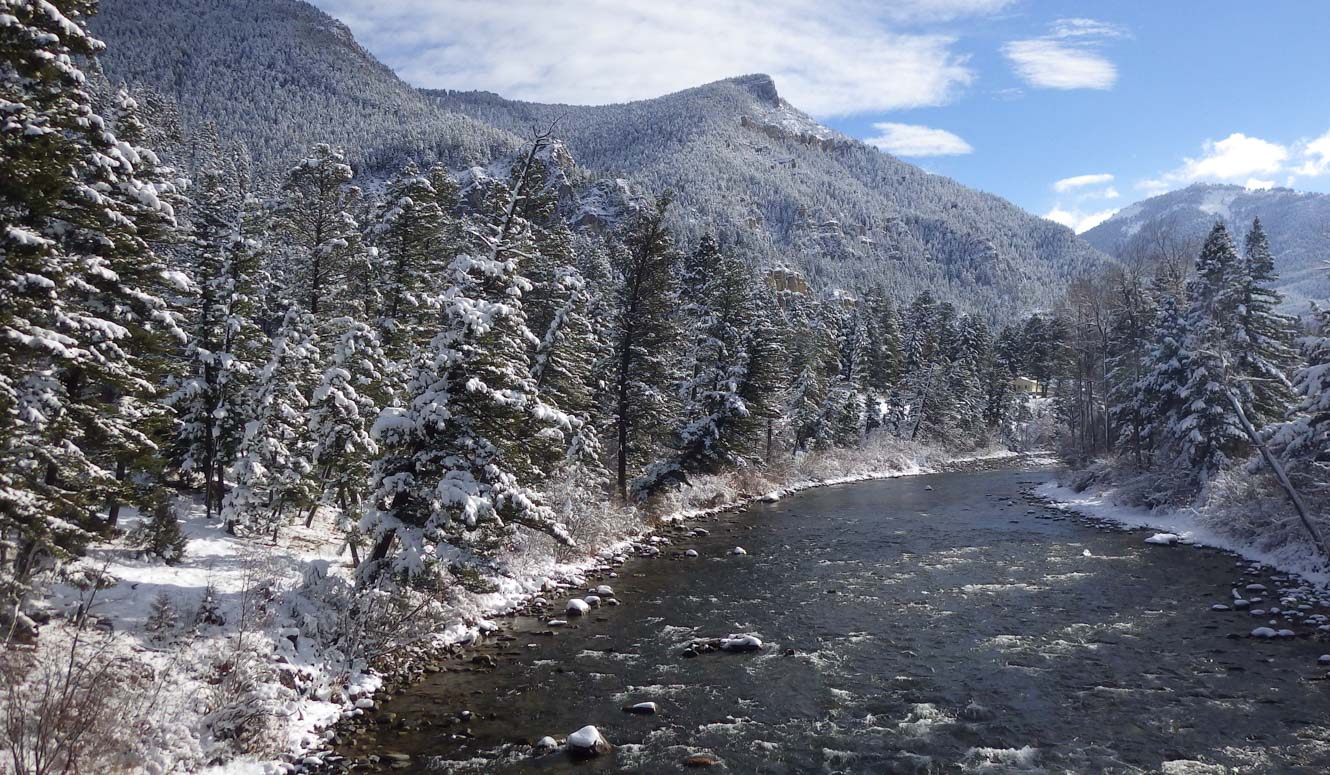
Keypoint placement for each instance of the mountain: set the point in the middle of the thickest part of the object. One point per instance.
(741, 161)
(1296, 222)
(280, 75)
(746, 165)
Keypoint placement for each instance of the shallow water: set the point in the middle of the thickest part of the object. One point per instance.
(962, 629)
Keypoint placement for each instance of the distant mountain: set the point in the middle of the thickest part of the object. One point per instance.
(741, 161)
(280, 75)
(745, 164)
(1297, 223)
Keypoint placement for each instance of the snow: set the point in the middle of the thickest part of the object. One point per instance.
(1163, 539)
(577, 607)
(1299, 560)
(741, 643)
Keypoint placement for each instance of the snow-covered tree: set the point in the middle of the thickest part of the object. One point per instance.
(323, 261)
(1304, 439)
(1207, 427)
(1263, 351)
(462, 458)
(271, 476)
(341, 411)
(644, 333)
(82, 308)
(413, 233)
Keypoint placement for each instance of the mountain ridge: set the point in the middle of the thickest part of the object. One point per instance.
(744, 164)
(1296, 222)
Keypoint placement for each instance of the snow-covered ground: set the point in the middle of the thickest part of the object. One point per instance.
(271, 607)
(1189, 526)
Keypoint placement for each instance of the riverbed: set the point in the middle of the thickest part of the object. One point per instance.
(940, 623)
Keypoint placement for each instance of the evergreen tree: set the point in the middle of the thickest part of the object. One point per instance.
(1157, 397)
(461, 460)
(1263, 340)
(1305, 437)
(644, 335)
(83, 315)
(412, 231)
(324, 265)
(342, 408)
(1207, 427)
(272, 471)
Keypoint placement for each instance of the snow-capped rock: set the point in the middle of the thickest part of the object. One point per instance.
(738, 551)
(1163, 539)
(741, 643)
(588, 741)
(577, 607)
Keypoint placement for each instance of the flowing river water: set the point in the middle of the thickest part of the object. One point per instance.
(942, 623)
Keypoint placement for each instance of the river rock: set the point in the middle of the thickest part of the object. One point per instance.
(1220, 607)
(1163, 539)
(976, 712)
(928, 487)
(1240, 604)
(701, 531)
(577, 608)
(545, 744)
(738, 551)
(1264, 632)
(592, 600)
(741, 643)
(605, 590)
(1324, 659)
(588, 741)
(701, 760)
(690, 553)
(641, 708)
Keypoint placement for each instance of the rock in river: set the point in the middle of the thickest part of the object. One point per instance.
(588, 741)
(577, 607)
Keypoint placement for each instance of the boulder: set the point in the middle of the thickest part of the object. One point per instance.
(741, 643)
(588, 741)
(738, 551)
(641, 708)
(577, 608)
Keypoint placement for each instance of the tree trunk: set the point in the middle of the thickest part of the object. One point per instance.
(1280, 474)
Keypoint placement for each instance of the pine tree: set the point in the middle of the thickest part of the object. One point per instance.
(163, 618)
(727, 399)
(324, 264)
(83, 313)
(222, 323)
(1158, 396)
(272, 472)
(1263, 348)
(341, 411)
(1304, 438)
(413, 233)
(462, 460)
(1207, 428)
(644, 334)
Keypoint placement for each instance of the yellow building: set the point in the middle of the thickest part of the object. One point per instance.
(1025, 385)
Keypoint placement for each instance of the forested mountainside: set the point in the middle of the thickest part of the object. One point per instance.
(279, 75)
(749, 167)
(742, 163)
(1297, 223)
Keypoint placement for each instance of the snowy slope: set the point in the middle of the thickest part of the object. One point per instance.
(745, 163)
(279, 75)
(1297, 223)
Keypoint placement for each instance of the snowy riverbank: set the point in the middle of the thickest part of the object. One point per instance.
(234, 663)
(1191, 526)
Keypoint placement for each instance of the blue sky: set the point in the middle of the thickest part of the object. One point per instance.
(1070, 109)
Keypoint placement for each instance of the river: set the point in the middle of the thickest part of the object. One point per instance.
(941, 623)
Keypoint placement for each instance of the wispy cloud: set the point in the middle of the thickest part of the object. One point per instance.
(1081, 181)
(1067, 57)
(917, 140)
(833, 58)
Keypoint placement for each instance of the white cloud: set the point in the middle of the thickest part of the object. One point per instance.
(1081, 181)
(916, 140)
(1067, 57)
(1240, 159)
(1077, 220)
(1316, 157)
(833, 58)
(1049, 64)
